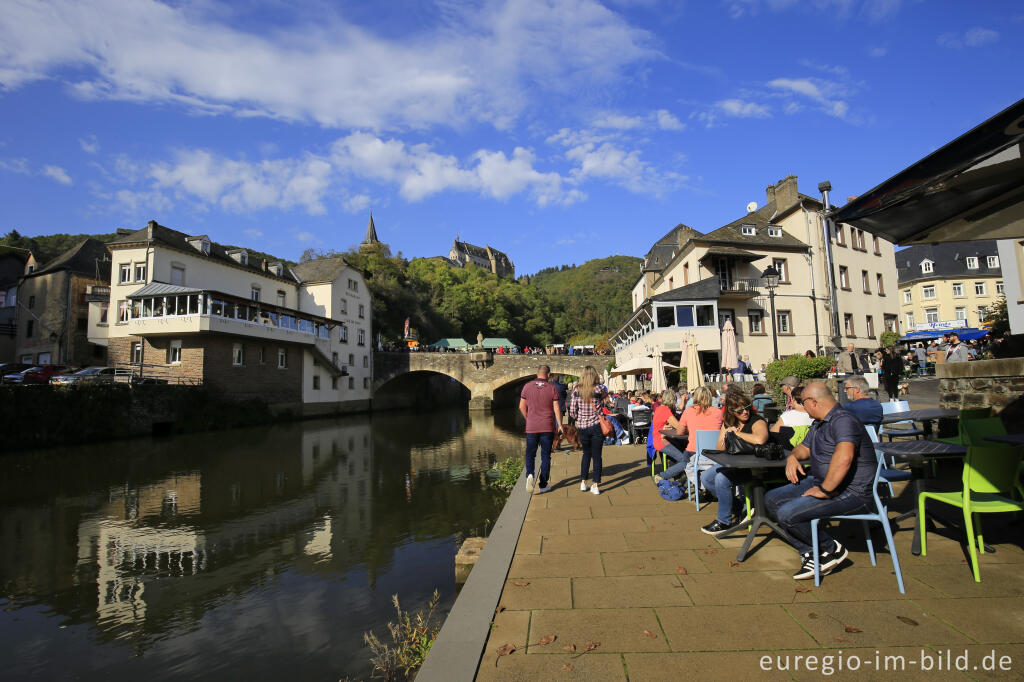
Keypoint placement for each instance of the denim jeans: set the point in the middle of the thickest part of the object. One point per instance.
(722, 482)
(681, 459)
(592, 441)
(794, 512)
(620, 433)
(532, 441)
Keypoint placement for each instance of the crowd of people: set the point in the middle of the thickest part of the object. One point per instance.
(559, 349)
(813, 429)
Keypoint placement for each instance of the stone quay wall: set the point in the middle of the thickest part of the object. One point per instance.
(981, 383)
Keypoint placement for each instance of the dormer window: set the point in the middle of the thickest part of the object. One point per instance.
(201, 244)
(972, 262)
(774, 231)
(277, 269)
(993, 261)
(243, 258)
(240, 256)
(927, 266)
(748, 230)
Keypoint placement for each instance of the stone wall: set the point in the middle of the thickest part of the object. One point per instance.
(984, 383)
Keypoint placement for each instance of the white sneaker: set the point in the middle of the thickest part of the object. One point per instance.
(594, 489)
(529, 483)
(545, 489)
(583, 486)
(624, 441)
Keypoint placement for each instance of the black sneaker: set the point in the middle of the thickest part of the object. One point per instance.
(718, 529)
(806, 567)
(830, 560)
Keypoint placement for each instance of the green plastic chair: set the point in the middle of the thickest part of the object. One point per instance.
(973, 431)
(989, 472)
(966, 415)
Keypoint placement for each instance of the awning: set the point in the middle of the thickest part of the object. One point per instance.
(970, 189)
(730, 252)
(639, 365)
(161, 289)
(964, 334)
(449, 343)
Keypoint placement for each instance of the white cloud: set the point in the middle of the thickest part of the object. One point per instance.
(420, 172)
(874, 10)
(242, 186)
(483, 61)
(974, 37)
(876, 51)
(305, 237)
(357, 203)
(742, 109)
(253, 233)
(829, 95)
(57, 174)
(19, 166)
(666, 121)
(89, 144)
(618, 122)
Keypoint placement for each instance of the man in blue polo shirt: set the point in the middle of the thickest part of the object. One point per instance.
(867, 409)
(842, 459)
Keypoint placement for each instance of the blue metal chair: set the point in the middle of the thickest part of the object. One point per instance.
(887, 430)
(706, 440)
(888, 475)
(881, 515)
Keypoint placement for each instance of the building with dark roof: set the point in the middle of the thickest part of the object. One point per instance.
(486, 257)
(685, 271)
(948, 284)
(14, 264)
(185, 309)
(52, 311)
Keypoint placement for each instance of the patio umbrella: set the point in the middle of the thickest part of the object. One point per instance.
(658, 382)
(694, 375)
(730, 351)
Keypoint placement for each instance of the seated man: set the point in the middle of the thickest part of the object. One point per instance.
(842, 459)
(867, 409)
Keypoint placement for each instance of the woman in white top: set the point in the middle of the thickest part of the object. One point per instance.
(796, 419)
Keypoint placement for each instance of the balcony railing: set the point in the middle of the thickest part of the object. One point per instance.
(749, 286)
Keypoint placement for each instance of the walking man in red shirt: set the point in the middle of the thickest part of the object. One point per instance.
(539, 405)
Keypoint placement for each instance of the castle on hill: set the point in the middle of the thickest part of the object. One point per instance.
(486, 257)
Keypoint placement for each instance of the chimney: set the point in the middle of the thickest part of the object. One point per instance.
(770, 193)
(264, 265)
(785, 192)
(149, 229)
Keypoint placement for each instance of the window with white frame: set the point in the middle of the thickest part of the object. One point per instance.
(961, 313)
(280, 299)
(361, 337)
(910, 322)
(343, 306)
(104, 311)
(848, 324)
(908, 296)
(844, 277)
(755, 321)
(982, 313)
(928, 291)
(879, 284)
(992, 261)
(979, 289)
(927, 266)
(748, 230)
(931, 314)
(362, 311)
(865, 281)
(958, 289)
(874, 242)
(1000, 289)
(351, 359)
(783, 317)
(238, 354)
(343, 333)
(972, 262)
(125, 273)
(174, 352)
(255, 293)
(140, 272)
(177, 275)
(282, 358)
(136, 352)
(780, 265)
(869, 323)
(124, 310)
(353, 285)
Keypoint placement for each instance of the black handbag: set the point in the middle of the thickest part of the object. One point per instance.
(734, 445)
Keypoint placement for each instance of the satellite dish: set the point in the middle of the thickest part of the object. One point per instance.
(751, 207)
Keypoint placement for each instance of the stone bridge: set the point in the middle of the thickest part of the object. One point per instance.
(481, 378)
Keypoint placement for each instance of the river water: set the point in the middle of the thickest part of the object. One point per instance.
(244, 554)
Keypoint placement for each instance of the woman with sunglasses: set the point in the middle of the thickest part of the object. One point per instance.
(742, 419)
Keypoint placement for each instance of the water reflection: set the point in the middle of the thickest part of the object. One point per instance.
(260, 553)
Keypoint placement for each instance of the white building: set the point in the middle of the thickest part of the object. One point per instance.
(185, 309)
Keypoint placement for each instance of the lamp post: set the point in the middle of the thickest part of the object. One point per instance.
(771, 281)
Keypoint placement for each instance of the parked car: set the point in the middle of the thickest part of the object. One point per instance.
(12, 368)
(40, 374)
(104, 375)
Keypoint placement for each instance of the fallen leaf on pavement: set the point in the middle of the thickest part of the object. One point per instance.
(504, 650)
(639, 565)
(850, 628)
(842, 639)
(908, 621)
(650, 634)
(812, 616)
(711, 551)
(568, 667)
(680, 570)
(590, 646)
(571, 648)
(521, 583)
(547, 639)
(733, 563)
(501, 607)
(802, 590)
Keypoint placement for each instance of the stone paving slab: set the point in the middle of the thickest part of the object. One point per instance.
(606, 567)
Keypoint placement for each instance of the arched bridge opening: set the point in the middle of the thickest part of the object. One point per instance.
(420, 389)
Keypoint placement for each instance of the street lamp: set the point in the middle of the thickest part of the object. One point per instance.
(771, 281)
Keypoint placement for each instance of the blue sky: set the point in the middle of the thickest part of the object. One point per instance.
(556, 131)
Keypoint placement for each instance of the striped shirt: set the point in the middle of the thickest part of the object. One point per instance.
(585, 412)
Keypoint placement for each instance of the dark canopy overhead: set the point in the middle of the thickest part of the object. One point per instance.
(972, 188)
(731, 252)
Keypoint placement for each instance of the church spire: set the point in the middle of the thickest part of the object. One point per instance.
(371, 232)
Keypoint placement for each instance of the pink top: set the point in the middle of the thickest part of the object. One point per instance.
(696, 420)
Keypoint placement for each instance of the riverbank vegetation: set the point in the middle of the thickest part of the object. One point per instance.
(504, 474)
(411, 638)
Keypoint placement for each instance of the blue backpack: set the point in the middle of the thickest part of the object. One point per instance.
(671, 490)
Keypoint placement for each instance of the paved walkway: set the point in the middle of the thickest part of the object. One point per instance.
(635, 574)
